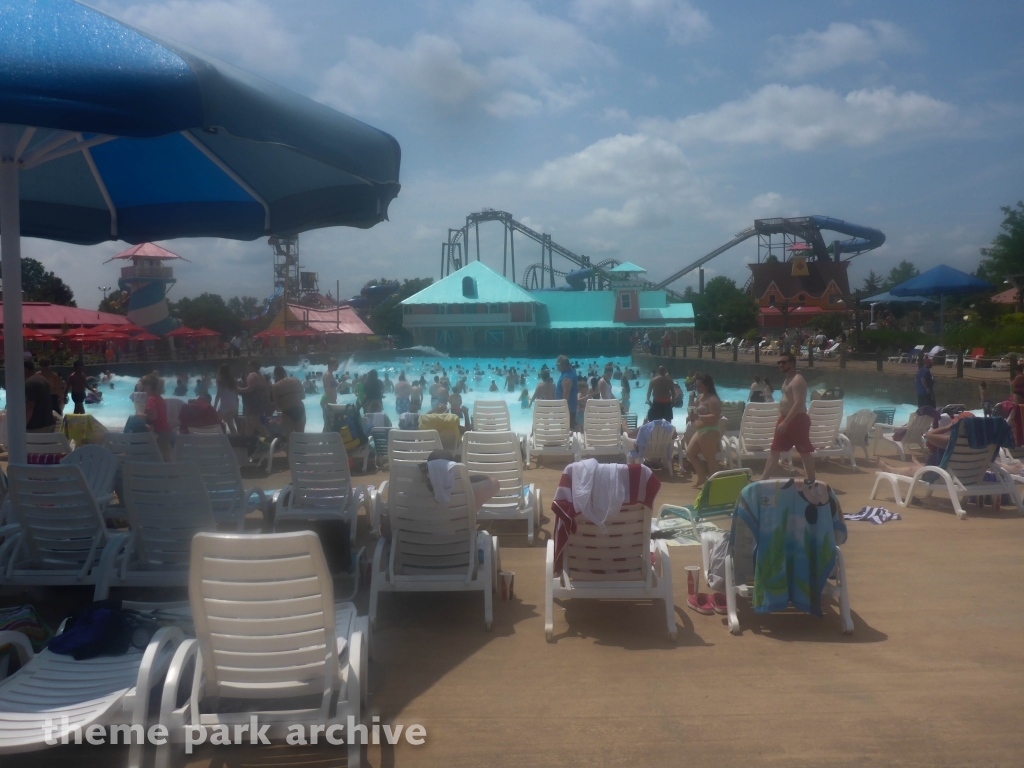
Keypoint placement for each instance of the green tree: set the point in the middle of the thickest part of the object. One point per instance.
(386, 317)
(40, 284)
(1005, 255)
(244, 307)
(900, 274)
(872, 284)
(116, 303)
(723, 306)
(207, 310)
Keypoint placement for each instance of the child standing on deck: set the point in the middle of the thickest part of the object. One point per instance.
(156, 413)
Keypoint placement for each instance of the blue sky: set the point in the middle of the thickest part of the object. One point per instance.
(647, 130)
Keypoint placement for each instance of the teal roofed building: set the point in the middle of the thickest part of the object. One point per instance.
(475, 309)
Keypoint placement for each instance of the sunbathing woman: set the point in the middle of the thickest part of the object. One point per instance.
(936, 440)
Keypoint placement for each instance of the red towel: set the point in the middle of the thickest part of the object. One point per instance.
(643, 487)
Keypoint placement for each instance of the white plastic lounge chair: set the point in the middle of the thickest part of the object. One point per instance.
(491, 416)
(602, 430)
(379, 438)
(166, 505)
(757, 430)
(269, 638)
(615, 565)
(321, 486)
(230, 500)
(912, 355)
(212, 429)
(551, 435)
(47, 443)
(732, 412)
(104, 690)
(173, 412)
(859, 426)
(962, 474)
(660, 447)
(413, 445)
(496, 454)
(100, 469)
(936, 351)
(131, 446)
(725, 344)
(334, 414)
(433, 548)
(739, 576)
(826, 418)
(912, 438)
(832, 351)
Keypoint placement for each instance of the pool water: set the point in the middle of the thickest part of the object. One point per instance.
(116, 406)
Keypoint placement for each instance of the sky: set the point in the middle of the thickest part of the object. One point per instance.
(643, 130)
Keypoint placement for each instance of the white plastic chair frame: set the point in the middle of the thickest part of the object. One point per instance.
(268, 632)
(859, 426)
(615, 565)
(828, 442)
(496, 454)
(963, 475)
(551, 435)
(47, 442)
(433, 548)
(602, 431)
(757, 431)
(661, 446)
(321, 486)
(913, 438)
(491, 416)
(99, 466)
(105, 690)
(218, 467)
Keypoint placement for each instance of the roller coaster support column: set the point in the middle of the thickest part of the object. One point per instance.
(701, 273)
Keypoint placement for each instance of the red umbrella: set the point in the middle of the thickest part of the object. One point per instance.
(206, 332)
(305, 333)
(182, 332)
(277, 333)
(31, 334)
(145, 336)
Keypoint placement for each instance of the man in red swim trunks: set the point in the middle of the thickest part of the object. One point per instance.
(794, 426)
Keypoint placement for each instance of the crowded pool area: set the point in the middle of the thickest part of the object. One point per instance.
(116, 405)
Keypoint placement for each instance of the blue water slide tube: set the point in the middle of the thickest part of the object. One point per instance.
(861, 238)
(577, 279)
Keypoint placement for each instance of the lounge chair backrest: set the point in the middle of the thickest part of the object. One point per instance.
(936, 350)
(720, 491)
(46, 442)
(978, 352)
(966, 464)
(491, 416)
(622, 554)
(212, 429)
(602, 423)
(167, 505)
(497, 455)
(263, 608)
(98, 465)
(447, 427)
(428, 538)
(412, 444)
(60, 521)
(757, 427)
(733, 413)
(320, 472)
(631, 421)
(659, 444)
(218, 469)
(826, 419)
(884, 415)
(858, 426)
(551, 423)
(916, 427)
(133, 446)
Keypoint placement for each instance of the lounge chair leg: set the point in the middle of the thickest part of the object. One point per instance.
(730, 596)
(549, 575)
(665, 566)
(485, 574)
(376, 574)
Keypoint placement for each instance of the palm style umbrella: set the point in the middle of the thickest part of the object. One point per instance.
(110, 133)
(943, 281)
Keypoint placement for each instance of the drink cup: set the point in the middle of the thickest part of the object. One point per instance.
(508, 579)
(692, 579)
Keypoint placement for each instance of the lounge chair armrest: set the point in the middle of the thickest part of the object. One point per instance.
(22, 645)
(185, 652)
(117, 550)
(9, 551)
(9, 530)
(261, 498)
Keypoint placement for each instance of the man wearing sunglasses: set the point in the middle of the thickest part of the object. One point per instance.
(794, 425)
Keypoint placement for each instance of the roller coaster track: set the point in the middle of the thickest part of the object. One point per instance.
(530, 279)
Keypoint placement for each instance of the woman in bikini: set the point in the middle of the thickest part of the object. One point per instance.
(705, 443)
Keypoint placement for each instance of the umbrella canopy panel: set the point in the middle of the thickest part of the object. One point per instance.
(941, 280)
(139, 139)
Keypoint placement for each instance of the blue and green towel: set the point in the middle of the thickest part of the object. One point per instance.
(796, 527)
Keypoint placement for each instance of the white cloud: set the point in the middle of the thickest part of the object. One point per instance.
(685, 24)
(838, 45)
(807, 117)
(503, 57)
(430, 67)
(247, 33)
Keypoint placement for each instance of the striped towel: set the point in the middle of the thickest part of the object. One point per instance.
(875, 515)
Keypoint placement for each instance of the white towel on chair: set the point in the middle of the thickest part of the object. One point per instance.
(598, 490)
(442, 477)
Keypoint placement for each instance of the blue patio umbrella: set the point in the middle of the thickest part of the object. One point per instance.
(942, 281)
(888, 298)
(109, 133)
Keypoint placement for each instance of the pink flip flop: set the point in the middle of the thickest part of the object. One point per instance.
(701, 603)
(718, 603)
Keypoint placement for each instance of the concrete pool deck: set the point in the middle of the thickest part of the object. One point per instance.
(931, 676)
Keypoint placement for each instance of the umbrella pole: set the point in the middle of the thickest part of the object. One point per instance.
(10, 262)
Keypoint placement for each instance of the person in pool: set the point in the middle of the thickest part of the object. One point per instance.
(524, 398)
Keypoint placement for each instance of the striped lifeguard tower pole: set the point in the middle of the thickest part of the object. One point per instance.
(146, 283)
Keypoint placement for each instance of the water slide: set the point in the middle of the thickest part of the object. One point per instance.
(809, 229)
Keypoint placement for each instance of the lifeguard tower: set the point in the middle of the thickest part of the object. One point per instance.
(145, 284)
